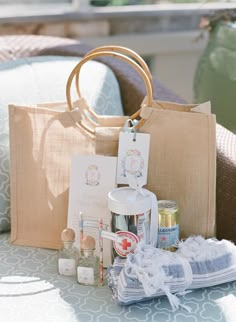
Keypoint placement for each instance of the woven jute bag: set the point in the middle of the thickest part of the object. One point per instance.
(182, 160)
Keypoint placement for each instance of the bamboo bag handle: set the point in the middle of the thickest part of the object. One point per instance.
(123, 50)
(77, 68)
(127, 51)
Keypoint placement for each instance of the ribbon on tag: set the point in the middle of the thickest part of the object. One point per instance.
(136, 183)
(127, 128)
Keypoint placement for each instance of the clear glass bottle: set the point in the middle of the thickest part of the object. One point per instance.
(68, 254)
(89, 264)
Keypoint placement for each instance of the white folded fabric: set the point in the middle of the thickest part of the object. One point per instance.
(151, 272)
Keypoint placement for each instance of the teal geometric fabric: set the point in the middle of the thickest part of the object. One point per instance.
(31, 290)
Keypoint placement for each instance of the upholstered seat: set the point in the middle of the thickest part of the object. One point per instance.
(31, 289)
(132, 93)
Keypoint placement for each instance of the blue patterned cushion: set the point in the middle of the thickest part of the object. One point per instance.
(31, 290)
(43, 79)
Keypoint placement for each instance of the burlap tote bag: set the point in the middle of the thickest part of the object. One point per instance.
(43, 139)
(42, 142)
(182, 161)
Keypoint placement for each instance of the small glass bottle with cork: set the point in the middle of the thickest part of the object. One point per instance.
(89, 265)
(68, 254)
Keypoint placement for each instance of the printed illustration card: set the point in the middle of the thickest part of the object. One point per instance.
(133, 154)
(91, 179)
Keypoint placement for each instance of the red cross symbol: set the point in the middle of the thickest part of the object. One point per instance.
(125, 244)
(163, 238)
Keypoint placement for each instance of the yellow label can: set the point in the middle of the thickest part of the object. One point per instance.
(168, 231)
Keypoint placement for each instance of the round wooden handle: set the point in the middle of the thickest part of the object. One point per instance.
(77, 68)
(129, 52)
(126, 51)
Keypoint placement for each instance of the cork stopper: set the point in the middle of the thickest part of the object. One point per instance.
(68, 235)
(88, 242)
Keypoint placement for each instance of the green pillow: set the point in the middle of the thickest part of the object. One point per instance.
(42, 79)
(215, 76)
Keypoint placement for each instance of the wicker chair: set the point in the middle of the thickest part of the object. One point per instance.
(132, 93)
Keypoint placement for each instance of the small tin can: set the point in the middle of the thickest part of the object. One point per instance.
(168, 230)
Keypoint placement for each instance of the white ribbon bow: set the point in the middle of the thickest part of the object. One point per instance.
(151, 232)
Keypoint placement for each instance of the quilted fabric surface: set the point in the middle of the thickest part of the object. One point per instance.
(31, 290)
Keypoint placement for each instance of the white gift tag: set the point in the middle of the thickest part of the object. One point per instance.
(133, 153)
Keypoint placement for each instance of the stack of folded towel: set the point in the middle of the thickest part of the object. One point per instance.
(151, 272)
